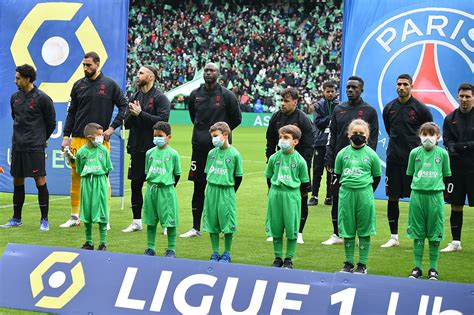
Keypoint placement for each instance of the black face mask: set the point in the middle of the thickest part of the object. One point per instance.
(358, 139)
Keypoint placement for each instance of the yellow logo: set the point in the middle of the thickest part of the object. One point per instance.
(56, 280)
(56, 11)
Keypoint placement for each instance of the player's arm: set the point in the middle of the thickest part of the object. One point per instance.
(374, 130)
(386, 119)
(331, 145)
(121, 102)
(70, 117)
(449, 140)
(446, 165)
(269, 171)
(308, 136)
(376, 169)
(191, 108)
(177, 168)
(49, 115)
(238, 172)
(129, 118)
(12, 101)
(162, 108)
(428, 117)
(233, 111)
(271, 136)
(321, 121)
(176, 179)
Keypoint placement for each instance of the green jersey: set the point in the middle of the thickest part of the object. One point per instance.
(93, 161)
(222, 165)
(428, 168)
(162, 165)
(287, 170)
(357, 167)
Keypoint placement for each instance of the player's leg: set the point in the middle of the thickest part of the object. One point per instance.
(17, 172)
(227, 215)
(136, 175)
(168, 216)
(334, 238)
(150, 240)
(43, 201)
(365, 224)
(304, 207)
(416, 230)
(347, 226)
(291, 219)
(150, 217)
(103, 236)
(435, 230)
(274, 224)
(318, 168)
(393, 188)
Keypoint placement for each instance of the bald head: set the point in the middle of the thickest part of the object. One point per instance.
(211, 73)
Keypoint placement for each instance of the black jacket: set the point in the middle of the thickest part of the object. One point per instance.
(34, 120)
(402, 123)
(458, 138)
(321, 117)
(342, 116)
(155, 107)
(297, 118)
(208, 107)
(92, 101)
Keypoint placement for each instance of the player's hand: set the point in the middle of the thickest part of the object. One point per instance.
(329, 169)
(108, 133)
(135, 108)
(66, 143)
(461, 147)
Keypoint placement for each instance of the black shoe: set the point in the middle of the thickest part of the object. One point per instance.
(170, 253)
(416, 273)
(278, 262)
(87, 246)
(433, 274)
(313, 201)
(288, 264)
(361, 268)
(149, 252)
(348, 267)
(328, 201)
(102, 247)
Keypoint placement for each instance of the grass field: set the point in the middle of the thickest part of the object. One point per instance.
(249, 245)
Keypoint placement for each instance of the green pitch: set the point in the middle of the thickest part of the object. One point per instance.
(250, 246)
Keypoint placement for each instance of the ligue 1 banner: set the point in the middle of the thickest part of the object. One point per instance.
(53, 37)
(432, 40)
(72, 281)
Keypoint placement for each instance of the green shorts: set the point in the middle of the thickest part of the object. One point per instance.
(160, 205)
(356, 212)
(426, 216)
(94, 199)
(220, 210)
(283, 212)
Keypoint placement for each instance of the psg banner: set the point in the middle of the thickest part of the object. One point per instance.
(432, 40)
(53, 37)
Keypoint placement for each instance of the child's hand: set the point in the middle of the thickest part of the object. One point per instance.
(2, 170)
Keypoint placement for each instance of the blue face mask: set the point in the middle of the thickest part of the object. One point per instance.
(285, 145)
(217, 142)
(159, 141)
(98, 141)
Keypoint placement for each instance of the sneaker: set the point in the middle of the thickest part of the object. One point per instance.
(452, 247)
(416, 273)
(44, 225)
(215, 257)
(108, 226)
(225, 258)
(73, 221)
(12, 223)
(300, 238)
(391, 243)
(191, 233)
(433, 274)
(132, 228)
(288, 264)
(313, 201)
(149, 252)
(87, 246)
(328, 201)
(348, 267)
(361, 268)
(269, 239)
(165, 231)
(333, 240)
(170, 253)
(278, 262)
(102, 247)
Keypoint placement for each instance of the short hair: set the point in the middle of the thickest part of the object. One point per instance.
(91, 128)
(27, 71)
(358, 122)
(221, 126)
(466, 87)
(356, 78)
(406, 77)
(291, 92)
(152, 69)
(163, 126)
(292, 130)
(329, 84)
(430, 128)
(92, 54)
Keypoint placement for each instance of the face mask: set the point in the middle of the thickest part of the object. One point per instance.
(217, 142)
(98, 140)
(159, 141)
(358, 139)
(285, 145)
(428, 142)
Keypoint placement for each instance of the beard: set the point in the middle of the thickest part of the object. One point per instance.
(90, 74)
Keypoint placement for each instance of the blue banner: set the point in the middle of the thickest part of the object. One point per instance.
(64, 280)
(53, 37)
(428, 39)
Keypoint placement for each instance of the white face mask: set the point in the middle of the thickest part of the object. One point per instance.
(98, 140)
(428, 142)
(285, 145)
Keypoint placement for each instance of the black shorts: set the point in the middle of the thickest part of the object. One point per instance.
(397, 182)
(197, 167)
(28, 164)
(136, 169)
(460, 184)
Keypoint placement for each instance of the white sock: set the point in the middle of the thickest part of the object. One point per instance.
(394, 236)
(456, 243)
(138, 222)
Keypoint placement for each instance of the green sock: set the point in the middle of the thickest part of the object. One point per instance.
(278, 246)
(103, 233)
(290, 248)
(349, 243)
(88, 232)
(228, 237)
(364, 249)
(151, 236)
(418, 248)
(171, 231)
(215, 242)
(434, 254)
